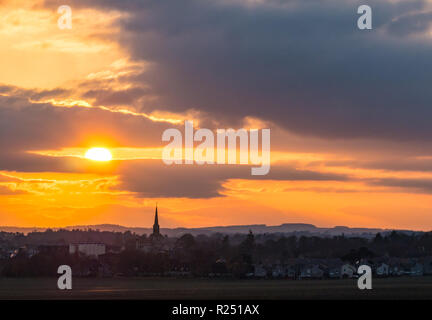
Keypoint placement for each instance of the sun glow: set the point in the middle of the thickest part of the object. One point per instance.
(98, 154)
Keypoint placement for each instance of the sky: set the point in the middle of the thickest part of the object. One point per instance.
(349, 111)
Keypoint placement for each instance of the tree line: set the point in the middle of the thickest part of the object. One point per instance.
(199, 255)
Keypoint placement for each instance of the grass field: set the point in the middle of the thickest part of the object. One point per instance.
(169, 288)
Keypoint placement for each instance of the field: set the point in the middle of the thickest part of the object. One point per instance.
(169, 288)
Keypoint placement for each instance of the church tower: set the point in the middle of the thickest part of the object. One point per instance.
(156, 224)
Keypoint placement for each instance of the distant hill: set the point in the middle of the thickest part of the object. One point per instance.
(286, 228)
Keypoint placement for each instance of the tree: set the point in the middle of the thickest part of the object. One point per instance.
(378, 238)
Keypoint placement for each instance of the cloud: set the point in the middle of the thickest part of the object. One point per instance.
(149, 179)
(26, 126)
(30, 126)
(6, 191)
(397, 164)
(422, 185)
(303, 65)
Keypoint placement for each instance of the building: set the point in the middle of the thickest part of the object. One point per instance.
(88, 249)
(333, 268)
(260, 271)
(278, 271)
(143, 244)
(416, 270)
(311, 272)
(155, 242)
(334, 272)
(156, 231)
(383, 270)
(348, 271)
(156, 235)
(427, 266)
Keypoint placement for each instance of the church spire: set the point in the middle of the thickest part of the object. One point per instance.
(156, 223)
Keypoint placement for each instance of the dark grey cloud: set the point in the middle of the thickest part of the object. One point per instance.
(301, 64)
(26, 126)
(155, 179)
(420, 185)
(392, 164)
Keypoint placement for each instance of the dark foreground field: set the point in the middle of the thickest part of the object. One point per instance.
(167, 288)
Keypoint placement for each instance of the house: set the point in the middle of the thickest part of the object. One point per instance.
(383, 270)
(88, 249)
(260, 271)
(396, 270)
(427, 266)
(311, 272)
(334, 272)
(416, 270)
(397, 266)
(290, 272)
(144, 245)
(348, 271)
(219, 268)
(278, 271)
(332, 268)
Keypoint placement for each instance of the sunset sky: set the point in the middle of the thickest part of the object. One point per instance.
(350, 111)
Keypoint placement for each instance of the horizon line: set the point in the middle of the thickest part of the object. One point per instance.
(217, 226)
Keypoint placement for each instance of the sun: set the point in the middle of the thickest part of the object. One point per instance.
(98, 154)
